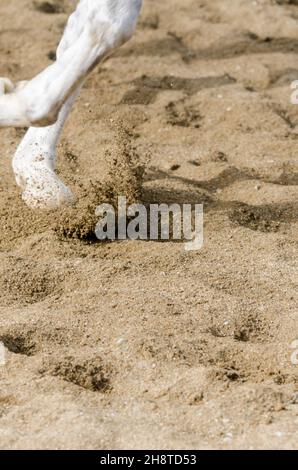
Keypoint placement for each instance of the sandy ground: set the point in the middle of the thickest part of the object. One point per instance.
(140, 344)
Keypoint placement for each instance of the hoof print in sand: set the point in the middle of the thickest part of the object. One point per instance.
(179, 114)
(90, 374)
(26, 282)
(49, 7)
(261, 219)
(19, 343)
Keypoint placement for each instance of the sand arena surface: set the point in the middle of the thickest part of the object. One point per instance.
(141, 344)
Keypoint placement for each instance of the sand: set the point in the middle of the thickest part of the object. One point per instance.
(138, 344)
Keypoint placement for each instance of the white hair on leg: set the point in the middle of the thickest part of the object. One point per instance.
(35, 159)
(34, 165)
(96, 28)
(93, 31)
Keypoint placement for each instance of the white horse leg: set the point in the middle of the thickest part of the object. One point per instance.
(34, 164)
(93, 30)
(96, 28)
